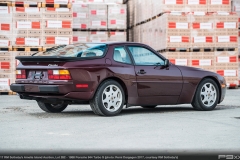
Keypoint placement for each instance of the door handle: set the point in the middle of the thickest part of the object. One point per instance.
(141, 71)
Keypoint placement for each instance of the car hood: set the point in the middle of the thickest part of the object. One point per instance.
(199, 73)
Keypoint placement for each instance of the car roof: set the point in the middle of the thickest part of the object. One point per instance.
(114, 43)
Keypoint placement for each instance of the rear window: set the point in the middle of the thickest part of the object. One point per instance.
(76, 50)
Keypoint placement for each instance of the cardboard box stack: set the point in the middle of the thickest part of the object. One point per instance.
(236, 8)
(99, 21)
(31, 26)
(28, 27)
(7, 61)
(205, 31)
(57, 26)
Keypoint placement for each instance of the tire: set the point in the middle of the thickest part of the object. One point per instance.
(109, 99)
(206, 96)
(52, 108)
(150, 106)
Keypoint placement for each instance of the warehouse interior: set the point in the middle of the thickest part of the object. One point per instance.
(198, 33)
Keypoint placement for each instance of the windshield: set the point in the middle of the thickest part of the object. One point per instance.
(76, 50)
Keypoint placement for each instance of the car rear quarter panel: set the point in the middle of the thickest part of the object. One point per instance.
(94, 72)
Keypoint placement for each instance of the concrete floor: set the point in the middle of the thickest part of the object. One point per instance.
(24, 127)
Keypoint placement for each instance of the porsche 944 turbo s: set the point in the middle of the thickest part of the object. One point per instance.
(110, 75)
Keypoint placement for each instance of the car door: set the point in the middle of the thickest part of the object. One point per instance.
(153, 78)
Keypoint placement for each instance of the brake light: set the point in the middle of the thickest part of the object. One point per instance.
(20, 74)
(59, 75)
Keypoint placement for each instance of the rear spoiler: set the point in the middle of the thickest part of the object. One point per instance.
(46, 59)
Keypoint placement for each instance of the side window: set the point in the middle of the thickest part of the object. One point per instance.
(143, 56)
(120, 55)
(95, 51)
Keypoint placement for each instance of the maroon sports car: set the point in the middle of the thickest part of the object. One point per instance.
(110, 75)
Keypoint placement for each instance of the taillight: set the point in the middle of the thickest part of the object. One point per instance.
(20, 74)
(59, 75)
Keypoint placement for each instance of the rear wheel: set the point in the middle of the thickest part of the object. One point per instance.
(109, 99)
(206, 96)
(150, 106)
(52, 108)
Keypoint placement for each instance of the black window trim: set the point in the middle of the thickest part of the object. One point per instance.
(148, 48)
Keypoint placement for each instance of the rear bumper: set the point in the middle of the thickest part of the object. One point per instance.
(64, 92)
(35, 88)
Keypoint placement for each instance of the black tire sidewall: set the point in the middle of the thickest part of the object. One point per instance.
(47, 107)
(198, 96)
(98, 98)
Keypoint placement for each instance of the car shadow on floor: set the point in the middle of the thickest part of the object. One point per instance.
(140, 110)
(125, 111)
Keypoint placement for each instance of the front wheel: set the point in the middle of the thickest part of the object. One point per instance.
(109, 99)
(206, 96)
(52, 108)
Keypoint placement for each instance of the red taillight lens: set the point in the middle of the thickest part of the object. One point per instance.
(82, 85)
(59, 75)
(20, 74)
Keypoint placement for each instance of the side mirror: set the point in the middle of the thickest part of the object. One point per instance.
(166, 63)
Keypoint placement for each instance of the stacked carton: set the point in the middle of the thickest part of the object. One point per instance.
(5, 26)
(57, 26)
(99, 21)
(98, 36)
(202, 30)
(206, 30)
(236, 8)
(145, 9)
(99, 1)
(7, 68)
(30, 26)
(117, 36)
(34, 25)
(27, 27)
(98, 16)
(226, 30)
(117, 17)
(7, 62)
(80, 16)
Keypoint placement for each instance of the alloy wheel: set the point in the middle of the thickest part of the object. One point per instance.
(208, 94)
(112, 98)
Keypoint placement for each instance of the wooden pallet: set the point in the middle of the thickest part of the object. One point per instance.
(54, 5)
(202, 49)
(210, 49)
(7, 93)
(226, 49)
(117, 30)
(95, 29)
(6, 48)
(5, 3)
(27, 49)
(16, 4)
(174, 50)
